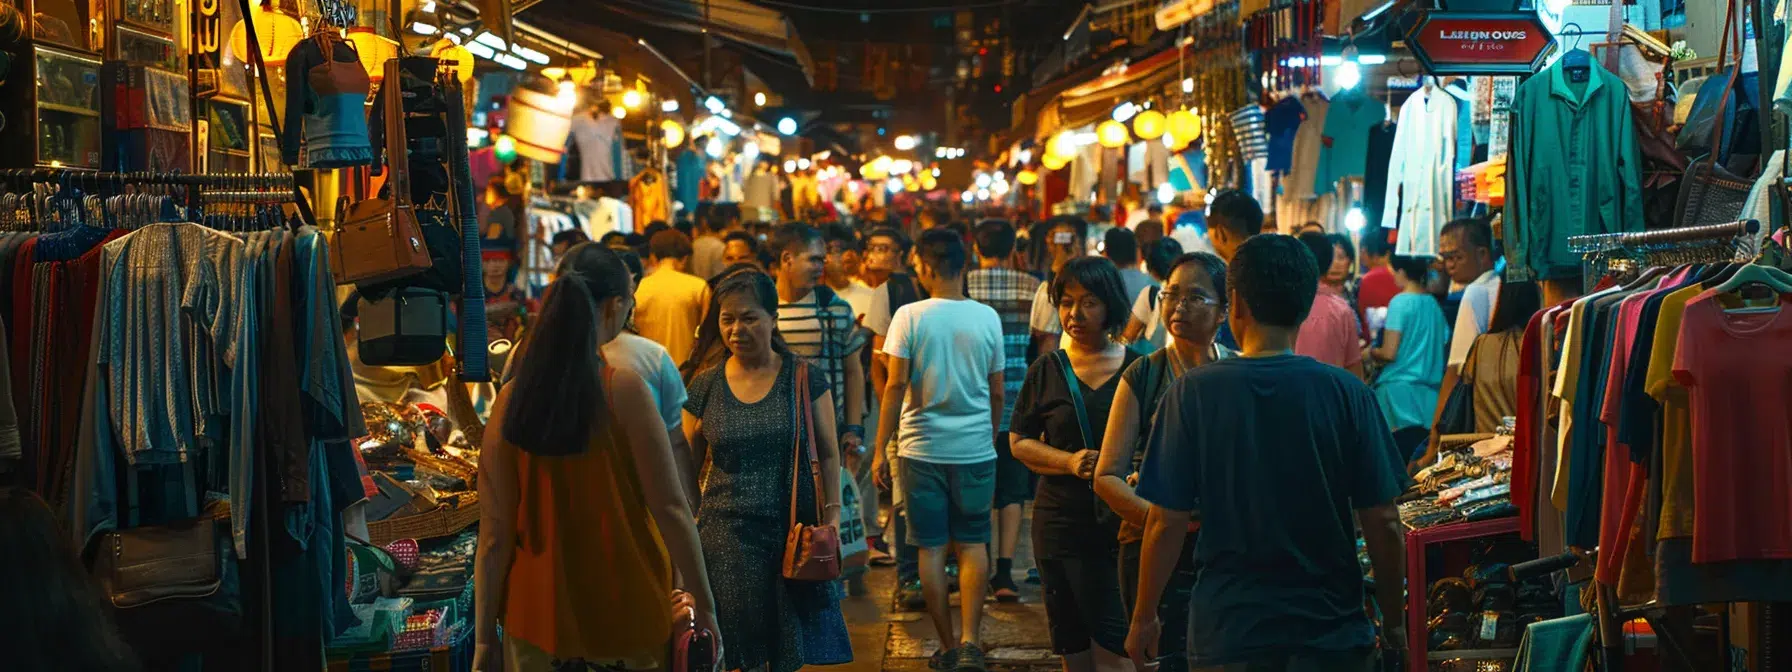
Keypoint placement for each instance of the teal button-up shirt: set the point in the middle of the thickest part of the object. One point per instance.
(1575, 169)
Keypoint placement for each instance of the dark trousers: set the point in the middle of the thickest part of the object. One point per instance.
(908, 558)
(1357, 660)
(1172, 609)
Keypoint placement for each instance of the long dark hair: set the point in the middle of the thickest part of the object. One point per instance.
(1517, 303)
(558, 391)
(51, 614)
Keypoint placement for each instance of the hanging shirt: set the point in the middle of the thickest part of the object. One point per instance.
(1735, 366)
(599, 140)
(1574, 170)
(1421, 172)
(1344, 147)
(1307, 143)
(689, 172)
(1281, 123)
(1380, 149)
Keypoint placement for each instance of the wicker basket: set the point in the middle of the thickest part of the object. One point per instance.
(443, 521)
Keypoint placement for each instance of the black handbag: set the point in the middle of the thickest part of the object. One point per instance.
(1459, 411)
(407, 327)
(173, 589)
(1710, 193)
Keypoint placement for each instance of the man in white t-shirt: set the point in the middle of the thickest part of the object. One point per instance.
(1466, 248)
(945, 361)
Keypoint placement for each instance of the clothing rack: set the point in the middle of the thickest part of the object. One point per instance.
(239, 184)
(1608, 242)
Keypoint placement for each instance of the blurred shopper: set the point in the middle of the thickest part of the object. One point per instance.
(1330, 333)
(58, 616)
(1066, 240)
(669, 303)
(1145, 328)
(1412, 347)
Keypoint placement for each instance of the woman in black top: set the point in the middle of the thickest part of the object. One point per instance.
(1077, 549)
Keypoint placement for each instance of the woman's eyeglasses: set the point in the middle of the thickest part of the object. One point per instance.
(1189, 300)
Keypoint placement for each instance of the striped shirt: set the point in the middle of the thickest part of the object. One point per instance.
(1010, 293)
(825, 337)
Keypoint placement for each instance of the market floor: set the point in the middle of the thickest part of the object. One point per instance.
(1015, 635)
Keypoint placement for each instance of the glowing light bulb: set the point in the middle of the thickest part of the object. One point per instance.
(1354, 220)
(715, 148)
(1348, 75)
(1166, 193)
(759, 99)
(631, 99)
(787, 126)
(789, 166)
(619, 112)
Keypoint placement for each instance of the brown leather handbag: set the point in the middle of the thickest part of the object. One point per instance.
(811, 552)
(172, 588)
(379, 239)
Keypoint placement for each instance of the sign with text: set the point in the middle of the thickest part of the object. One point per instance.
(1479, 43)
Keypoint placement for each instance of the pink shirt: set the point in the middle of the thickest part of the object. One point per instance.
(1330, 332)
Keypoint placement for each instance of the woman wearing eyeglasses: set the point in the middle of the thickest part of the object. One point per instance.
(1193, 304)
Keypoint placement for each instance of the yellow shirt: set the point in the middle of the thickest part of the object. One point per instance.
(669, 305)
(1676, 418)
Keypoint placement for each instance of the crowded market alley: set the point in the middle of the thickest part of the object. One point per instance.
(911, 335)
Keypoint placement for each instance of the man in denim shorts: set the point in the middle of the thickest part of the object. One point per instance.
(949, 350)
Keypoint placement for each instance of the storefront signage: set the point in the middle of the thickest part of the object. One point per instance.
(1477, 43)
(210, 28)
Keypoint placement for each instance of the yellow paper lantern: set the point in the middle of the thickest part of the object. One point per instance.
(1054, 162)
(673, 131)
(1148, 125)
(1027, 177)
(1062, 145)
(1111, 134)
(276, 33)
(375, 50)
(1185, 126)
(928, 182)
(454, 56)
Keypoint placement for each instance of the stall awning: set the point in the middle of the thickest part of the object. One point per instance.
(1095, 98)
(733, 20)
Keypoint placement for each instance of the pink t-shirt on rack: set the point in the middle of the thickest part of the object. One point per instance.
(1737, 368)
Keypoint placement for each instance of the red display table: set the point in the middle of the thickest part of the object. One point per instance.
(1418, 585)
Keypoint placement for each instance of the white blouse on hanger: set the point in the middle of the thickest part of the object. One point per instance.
(1422, 172)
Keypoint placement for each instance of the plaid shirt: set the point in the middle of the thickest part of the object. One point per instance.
(1010, 293)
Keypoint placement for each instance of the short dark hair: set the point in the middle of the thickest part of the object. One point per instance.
(1161, 256)
(842, 234)
(995, 239)
(721, 215)
(1341, 240)
(943, 250)
(570, 237)
(793, 237)
(1472, 231)
(654, 229)
(1210, 263)
(612, 238)
(1241, 213)
(1276, 277)
(1100, 277)
(1415, 268)
(684, 226)
(1321, 246)
(669, 244)
(1119, 245)
(748, 238)
(893, 234)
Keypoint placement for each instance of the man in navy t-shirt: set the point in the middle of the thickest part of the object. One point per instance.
(1276, 451)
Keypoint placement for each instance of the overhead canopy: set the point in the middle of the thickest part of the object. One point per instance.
(1093, 99)
(733, 20)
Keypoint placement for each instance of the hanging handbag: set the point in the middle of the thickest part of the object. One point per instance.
(442, 241)
(172, 588)
(693, 648)
(1104, 514)
(1710, 193)
(811, 552)
(408, 326)
(380, 239)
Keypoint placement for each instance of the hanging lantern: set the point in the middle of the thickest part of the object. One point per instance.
(673, 131)
(1148, 125)
(1111, 134)
(374, 49)
(277, 34)
(1027, 177)
(1062, 145)
(1185, 126)
(454, 56)
(1054, 162)
(539, 123)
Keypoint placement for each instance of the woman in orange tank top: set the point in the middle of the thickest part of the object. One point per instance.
(583, 518)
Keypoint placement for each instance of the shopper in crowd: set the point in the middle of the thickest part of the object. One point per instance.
(615, 240)
(1412, 349)
(885, 269)
(740, 247)
(820, 326)
(1378, 286)
(507, 307)
(946, 359)
(1466, 248)
(669, 303)
(1233, 217)
(573, 447)
(1492, 365)
(1058, 419)
(740, 421)
(1285, 449)
(1330, 333)
(1339, 277)
(503, 210)
(1193, 299)
(842, 272)
(1065, 241)
(1122, 248)
(706, 250)
(59, 617)
(997, 284)
(1145, 328)
(565, 240)
(708, 350)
